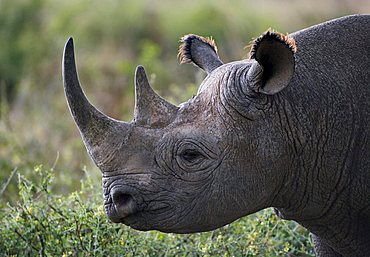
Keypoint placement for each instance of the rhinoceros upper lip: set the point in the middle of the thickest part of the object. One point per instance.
(132, 219)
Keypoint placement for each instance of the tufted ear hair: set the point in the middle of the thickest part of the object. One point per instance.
(275, 61)
(200, 51)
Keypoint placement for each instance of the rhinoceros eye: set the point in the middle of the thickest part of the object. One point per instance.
(191, 155)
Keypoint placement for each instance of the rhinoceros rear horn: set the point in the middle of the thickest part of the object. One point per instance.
(151, 110)
(275, 62)
(99, 132)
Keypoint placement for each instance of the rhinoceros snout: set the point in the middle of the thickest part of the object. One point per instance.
(124, 204)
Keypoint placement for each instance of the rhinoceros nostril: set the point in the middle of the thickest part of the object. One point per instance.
(121, 198)
(123, 203)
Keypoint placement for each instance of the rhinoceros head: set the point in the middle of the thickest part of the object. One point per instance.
(199, 165)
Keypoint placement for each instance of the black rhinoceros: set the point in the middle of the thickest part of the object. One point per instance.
(288, 128)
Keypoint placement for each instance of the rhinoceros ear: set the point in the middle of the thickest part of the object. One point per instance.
(275, 62)
(200, 51)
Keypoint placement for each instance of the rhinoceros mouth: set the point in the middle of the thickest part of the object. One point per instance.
(144, 220)
(138, 218)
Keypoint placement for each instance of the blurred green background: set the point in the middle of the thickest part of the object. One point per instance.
(111, 38)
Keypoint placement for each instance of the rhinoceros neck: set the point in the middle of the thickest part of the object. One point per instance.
(327, 130)
(326, 109)
(326, 187)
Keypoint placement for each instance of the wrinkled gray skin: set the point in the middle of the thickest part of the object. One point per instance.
(285, 130)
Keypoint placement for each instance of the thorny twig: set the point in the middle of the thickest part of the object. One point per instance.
(8, 181)
(24, 239)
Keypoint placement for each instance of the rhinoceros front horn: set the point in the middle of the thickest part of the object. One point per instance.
(99, 132)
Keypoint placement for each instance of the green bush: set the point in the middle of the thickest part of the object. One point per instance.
(43, 223)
